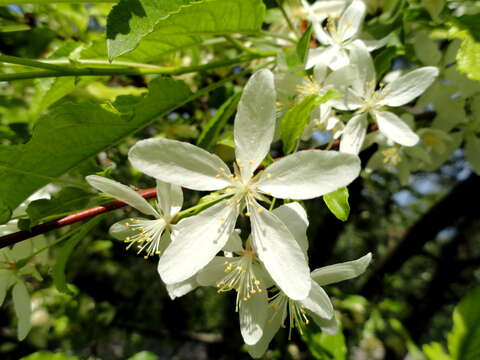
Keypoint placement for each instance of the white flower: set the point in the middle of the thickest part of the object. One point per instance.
(303, 175)
(246, 274)
(337, 37)
(316, 306)
(150, 236)
(323, 119)
(359, 88)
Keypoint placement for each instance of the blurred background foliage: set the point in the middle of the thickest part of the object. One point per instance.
(420, 222)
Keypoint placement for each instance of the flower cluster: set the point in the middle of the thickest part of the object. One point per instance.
(268, 269)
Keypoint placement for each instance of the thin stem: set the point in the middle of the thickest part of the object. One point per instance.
(133, 71)
(31, 62)
(287, 18)
(238, 44)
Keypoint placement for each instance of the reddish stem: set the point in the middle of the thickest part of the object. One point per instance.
(14, 238)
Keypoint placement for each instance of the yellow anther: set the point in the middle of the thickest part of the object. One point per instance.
(222, 219)
(251, 162)
(248, 213)
(260, 209)
(269, 176)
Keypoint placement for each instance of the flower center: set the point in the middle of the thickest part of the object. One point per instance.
(147, 237)
(240, 276)
(297, 317)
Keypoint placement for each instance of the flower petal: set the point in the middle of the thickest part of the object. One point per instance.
(181, 288)
(365, 79)
(195, 242)
(343, 271)
(213, 272)
(308, 174)
(274, 320)
(351, 19)
(376, 44)
(395, 128)
(179, 163)
(318, 302)
(354, 134)
(320, 56)
(330, 326)
(170, 198)
(255, 122)
(320, 73)
(253, 315)
(407, 87)
(120, 230)
(234, 243)
(280, 253)
(340, 60)
(294, 216)
(121, 192)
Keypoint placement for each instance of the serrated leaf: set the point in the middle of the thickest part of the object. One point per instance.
(464, 339)
(188, 26)
(130, 20)
(72, 133)
(68, 199)
(297, 118)
(208, 137)
(337, 203)
(303, 44)
(23, 309)
(64, 252)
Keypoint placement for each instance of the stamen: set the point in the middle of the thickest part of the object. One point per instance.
(148, 237)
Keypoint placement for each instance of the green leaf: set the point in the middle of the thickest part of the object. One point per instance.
(130, 20)
(64, 252)
(326, 347)
(383, 61)
(435, 351)
(6, 280)
(471, 22)
(472, 152)
(434, 7)
(303, 44)
(23, 308)
(67, 200)
(187, 26)
(5, 212)
(143, 355)
(468, 56)
(72, 133)
(464, 339)
(337, 203)
(47, 355)
(297, 118)
(208, 137)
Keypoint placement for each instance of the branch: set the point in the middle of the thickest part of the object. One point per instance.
(14, 238)
(94, 71)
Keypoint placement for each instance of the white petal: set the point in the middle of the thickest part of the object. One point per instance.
(280, 253)
(354, 134)
(395, 128)
(407, 87)
(318, 302)
(121, 231)
(294, 216)
(340, 60)
(213, 272)
(234, 243)
(343, 271)
(330, 326)
(365, 80)
(376, 44)
(253, 315)
(170, 198)
(255, 121)
(309, 174)
(181, 288)
(320, 56)
(320, 72)
(121, 192)
(196, 241)
(351, 19)
(322, 36)
(274, 320)
(179, 163)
